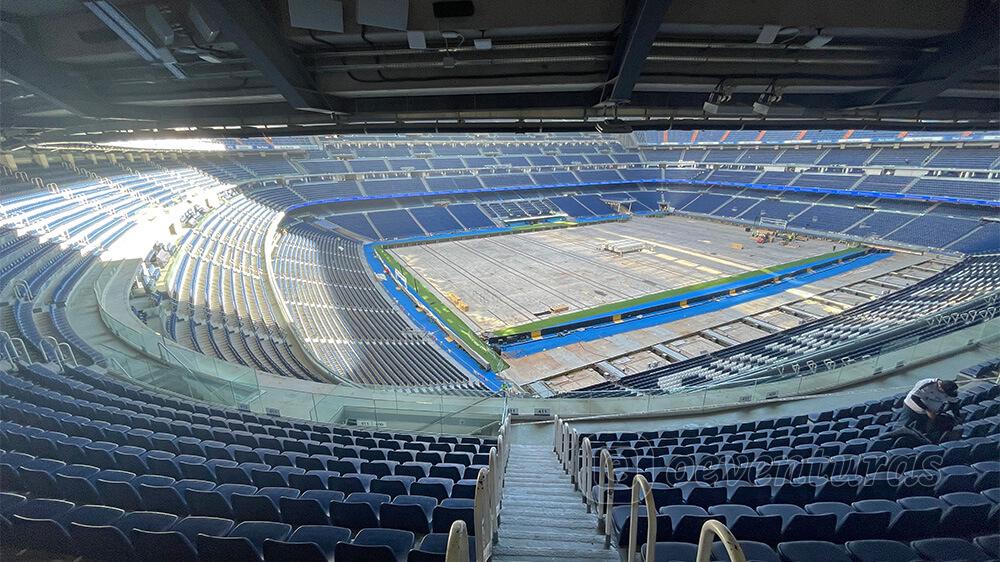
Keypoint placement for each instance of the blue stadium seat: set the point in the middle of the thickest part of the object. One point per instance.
(990, 544)
(178, 543)
(376, 545)
(758, 552)
(216, 502)
(948, 549)
(812, 551)
(304, 511)
(309, 543)
(663, 551)
(876, 550)
(245, 543)
(112, 542)
(798, 525)
(51, 534)
(433, 546)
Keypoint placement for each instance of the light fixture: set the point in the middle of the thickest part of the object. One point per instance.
(136, 39)
(720, 95)
(769, 97)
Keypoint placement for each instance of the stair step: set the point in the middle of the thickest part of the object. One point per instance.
(555, 540)
(535, 491)
(543, 518)
(543, 503)
(574, 527)
(548, 553)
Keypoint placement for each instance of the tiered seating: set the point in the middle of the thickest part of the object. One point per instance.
(736, 176)
(982, 239)
(115, 472)
(395, 224)
(435, 219)
(324, 166)
(775, 209)
(859, 331)
(901, 157)
(800, 156)
(964, 158)
(829, 218)
(957, 188)
(706, 203)
(470, 216)
(347, 321)
(744, 136)
(884, 184)
(759, 156)
(65, 232)
(880, 223)
(830, 485)
(572, 207)
(930, 230)
(777, 178)
(829, 181)
(327, 190)
(223, 304)
(846, 157)
(357, 223)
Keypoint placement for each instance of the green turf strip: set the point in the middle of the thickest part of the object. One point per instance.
(612, 307)
(458, 327)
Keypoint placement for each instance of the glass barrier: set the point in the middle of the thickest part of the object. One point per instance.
(189, 373)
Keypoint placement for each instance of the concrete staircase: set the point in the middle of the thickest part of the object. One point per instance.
(542, 519)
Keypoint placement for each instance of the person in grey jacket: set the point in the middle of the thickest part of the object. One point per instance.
(929, 399)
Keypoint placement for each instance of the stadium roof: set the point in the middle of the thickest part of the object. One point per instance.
(117, 68)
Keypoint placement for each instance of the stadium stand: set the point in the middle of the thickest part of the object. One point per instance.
(346, 320)
(969, 286)
(274, 277)
(835, 484)
(88, 472)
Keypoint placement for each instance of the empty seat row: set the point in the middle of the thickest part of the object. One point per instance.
(107, 533)
(981, 548)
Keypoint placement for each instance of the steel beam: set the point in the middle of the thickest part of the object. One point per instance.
(247, 24)
(640, 24)
(22, 64)
(976, 45)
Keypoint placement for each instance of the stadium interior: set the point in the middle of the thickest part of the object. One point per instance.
(459, 280)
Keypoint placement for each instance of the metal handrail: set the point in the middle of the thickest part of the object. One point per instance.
(60, 358)
(587, 472)
(640, 484)
(605, 496)
(482, 518)
(121, 367)
(556, 425)
(488, 495)
(22, 290)
(709, 531)
(10, 352)
(565, 440)
(574, 457)
(69, 349)
(166, 351)
(24, 348)
(458, 543)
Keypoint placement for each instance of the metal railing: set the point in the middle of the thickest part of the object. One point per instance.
(642, 491)
(709, 531)
(458, 543)
(489, 494)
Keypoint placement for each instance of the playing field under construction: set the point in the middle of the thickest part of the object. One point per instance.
(506, 281)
